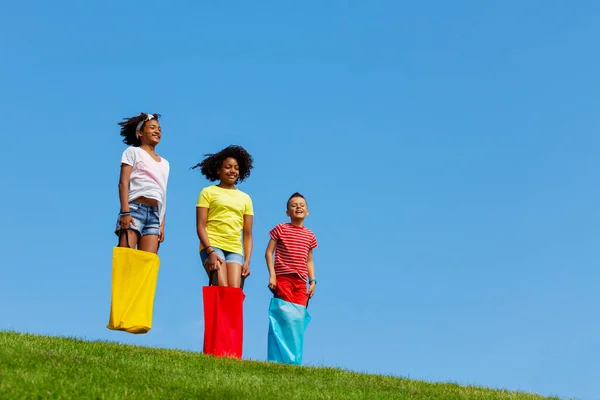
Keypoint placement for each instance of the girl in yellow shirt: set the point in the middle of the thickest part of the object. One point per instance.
(222, 213)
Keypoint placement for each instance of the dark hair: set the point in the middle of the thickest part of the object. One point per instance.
(128, 128)
(295, 195)
(212, 162)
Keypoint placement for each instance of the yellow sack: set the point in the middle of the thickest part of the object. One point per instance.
(134, 276)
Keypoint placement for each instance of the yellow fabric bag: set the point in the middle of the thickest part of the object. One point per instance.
(134, 277)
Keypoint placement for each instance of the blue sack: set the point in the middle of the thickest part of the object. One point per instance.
(287, 323)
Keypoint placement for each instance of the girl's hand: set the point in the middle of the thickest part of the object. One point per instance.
(311, 290)
(213, 262)
(272, 282)
(125, 221)
(161, 234)
(246, 269)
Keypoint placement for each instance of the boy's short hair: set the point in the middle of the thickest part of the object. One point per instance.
(295, 195)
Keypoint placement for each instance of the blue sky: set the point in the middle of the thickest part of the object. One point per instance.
(448, 151)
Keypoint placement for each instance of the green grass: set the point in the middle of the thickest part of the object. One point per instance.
(41, 367)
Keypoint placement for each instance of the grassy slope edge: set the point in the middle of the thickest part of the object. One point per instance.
(35, 366)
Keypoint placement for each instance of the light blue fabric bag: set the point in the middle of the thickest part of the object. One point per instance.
(287, 323)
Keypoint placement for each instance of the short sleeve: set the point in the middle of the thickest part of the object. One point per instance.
(203, 199)
(166, 171)
(248, 210)
(313, 242)
(275, 233)
(129, 156)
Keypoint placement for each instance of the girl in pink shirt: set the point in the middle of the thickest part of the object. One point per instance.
(142, 185)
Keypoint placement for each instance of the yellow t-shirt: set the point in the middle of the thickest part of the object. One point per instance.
(226, 210)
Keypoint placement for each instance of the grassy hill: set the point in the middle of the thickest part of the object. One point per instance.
(33, 366)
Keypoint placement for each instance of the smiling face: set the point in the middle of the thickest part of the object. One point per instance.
(229, 171)
(297, 209)
(150, 133)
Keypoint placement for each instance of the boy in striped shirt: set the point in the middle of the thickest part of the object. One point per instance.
(292, 244)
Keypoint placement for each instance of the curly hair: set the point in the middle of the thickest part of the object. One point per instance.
(129, 131)
(212, 162)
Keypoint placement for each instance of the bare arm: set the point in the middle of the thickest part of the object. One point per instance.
(124, 177)
(124, 186)
(247, 233)
(201, 217)
(311, 273)
(213, 261)
(270, 264)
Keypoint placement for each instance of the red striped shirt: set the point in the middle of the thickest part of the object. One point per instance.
(293, 245)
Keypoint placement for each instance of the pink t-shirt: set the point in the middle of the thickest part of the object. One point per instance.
(148, 177)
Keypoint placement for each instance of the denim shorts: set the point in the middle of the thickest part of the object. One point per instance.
(145, 218)
(228, 256)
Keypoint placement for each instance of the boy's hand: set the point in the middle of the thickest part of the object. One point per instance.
(311, 290)
(272, 282)
(246, 269)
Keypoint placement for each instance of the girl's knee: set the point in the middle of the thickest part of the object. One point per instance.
(223, 282)
(234, 283)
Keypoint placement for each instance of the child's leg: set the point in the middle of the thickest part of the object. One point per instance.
(234, 269)
(222, 275)
(145, 222)
(149, 243)
(234, 275)
(150, 227)
(218, 277)
(128, 239)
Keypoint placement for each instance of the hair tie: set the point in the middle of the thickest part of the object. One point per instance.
(148, 118)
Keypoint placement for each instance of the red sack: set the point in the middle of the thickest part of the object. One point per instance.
(223, 321)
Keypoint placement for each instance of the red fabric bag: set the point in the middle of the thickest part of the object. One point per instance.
(223, 320)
